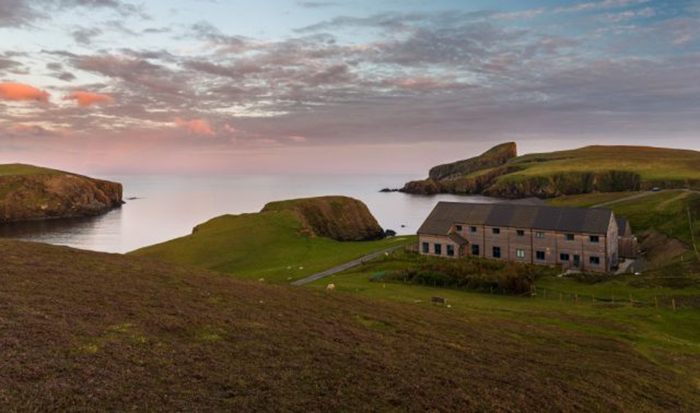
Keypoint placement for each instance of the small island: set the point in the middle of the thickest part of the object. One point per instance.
(30, 193)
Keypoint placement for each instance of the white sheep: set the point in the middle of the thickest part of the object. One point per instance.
(330, 287)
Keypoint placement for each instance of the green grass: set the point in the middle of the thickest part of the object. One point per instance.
(21, 169)
(262, 245)
(588, 200)
(650, 163)
(649, 330)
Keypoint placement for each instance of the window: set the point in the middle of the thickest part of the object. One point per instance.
(472, 229)
(458, 228)
(520, 253)
(594, 260)
(594, 239)
(438, 249)
(496, 252)
(570, 237)
(450, 251)
(496, 231)
(520, 233)
(539, 234)
(564, 257)
(540, 255)
(426, 248)
(475, 250)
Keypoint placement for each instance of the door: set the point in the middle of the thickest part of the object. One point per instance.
(577, 261)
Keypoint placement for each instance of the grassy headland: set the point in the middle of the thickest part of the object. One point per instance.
(276, 244)
(585, 170)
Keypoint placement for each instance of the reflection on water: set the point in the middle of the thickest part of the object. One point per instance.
(169, 207)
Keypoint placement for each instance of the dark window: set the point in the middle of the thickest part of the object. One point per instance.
(496, 231)
(539, 234)
(472, 229)
(595, 239)
(426, 248)
(594, 260)
(521, 233)
(475, 250)
(496, 252)
(564, 257)
(540, 255)
(458, 228)
(570, 237)
(520, 253)
(450, 251)
(438, 249)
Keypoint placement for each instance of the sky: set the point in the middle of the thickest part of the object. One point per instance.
(359, 86)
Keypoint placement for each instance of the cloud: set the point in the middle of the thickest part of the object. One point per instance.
(19, 92)
(317, 4)
(89, 98)
(195, 126)
(19, 13)
(298, 139)
(85, 36)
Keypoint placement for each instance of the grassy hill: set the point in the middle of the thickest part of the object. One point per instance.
(84, 331)
(579, 171)
(22, 169)
(274, 244)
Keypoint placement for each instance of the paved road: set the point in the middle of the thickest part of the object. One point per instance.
(346, 266)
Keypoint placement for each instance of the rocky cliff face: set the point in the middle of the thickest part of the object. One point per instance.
(496, 156)
(56, 195)
(337, 217)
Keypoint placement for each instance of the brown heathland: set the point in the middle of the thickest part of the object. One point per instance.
(82, 330)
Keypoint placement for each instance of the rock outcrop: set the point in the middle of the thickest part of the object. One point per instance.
(55, 195)
(337, 217)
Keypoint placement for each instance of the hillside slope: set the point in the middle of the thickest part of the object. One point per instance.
(288, 240)
(91, 331)
(31, 193)
(585, 170)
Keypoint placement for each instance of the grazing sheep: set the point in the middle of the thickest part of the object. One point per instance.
(330, 287)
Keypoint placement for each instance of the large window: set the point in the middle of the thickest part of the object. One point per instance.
(496, 252)
(450, 251)
(426, 248)
(540, 255)
(520, 232)
(496, 231)
(570, 237)
(539, 234)
(438, 249)
(594, 260)
(594, 239)
(475, 250)
(564, 257)
(520, 253)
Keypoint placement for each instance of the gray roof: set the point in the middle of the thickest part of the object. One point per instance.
(622, 227)
(586, 220)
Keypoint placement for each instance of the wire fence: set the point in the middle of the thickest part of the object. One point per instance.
(674, 303)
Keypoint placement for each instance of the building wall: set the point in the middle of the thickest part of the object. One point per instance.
(553, 244)
(437, 239)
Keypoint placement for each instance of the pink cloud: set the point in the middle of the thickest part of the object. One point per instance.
(20, 91)
(299, 139)
(228, 128)
(195, 126)
(89, 98)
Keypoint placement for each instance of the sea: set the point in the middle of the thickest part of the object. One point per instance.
(160, 208)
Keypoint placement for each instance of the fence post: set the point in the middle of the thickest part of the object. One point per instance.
(576, 298)
(631, 300)
(673, 302)
(560, 298)
(656, 302)
(612, 297)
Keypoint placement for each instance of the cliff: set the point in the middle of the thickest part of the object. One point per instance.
(31, 193)
(498, 172)
(337, 217)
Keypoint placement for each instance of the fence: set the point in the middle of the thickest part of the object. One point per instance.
(674, 303)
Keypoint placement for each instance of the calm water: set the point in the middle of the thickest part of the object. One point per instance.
(169, 207)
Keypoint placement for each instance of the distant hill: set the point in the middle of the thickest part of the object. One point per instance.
(546, 175)
(31, 193)
(287, 240)
(88, 331)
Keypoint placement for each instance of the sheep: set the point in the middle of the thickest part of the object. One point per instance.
(330, 287)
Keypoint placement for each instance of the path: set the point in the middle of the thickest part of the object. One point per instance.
(346, 266)
(642, 195)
